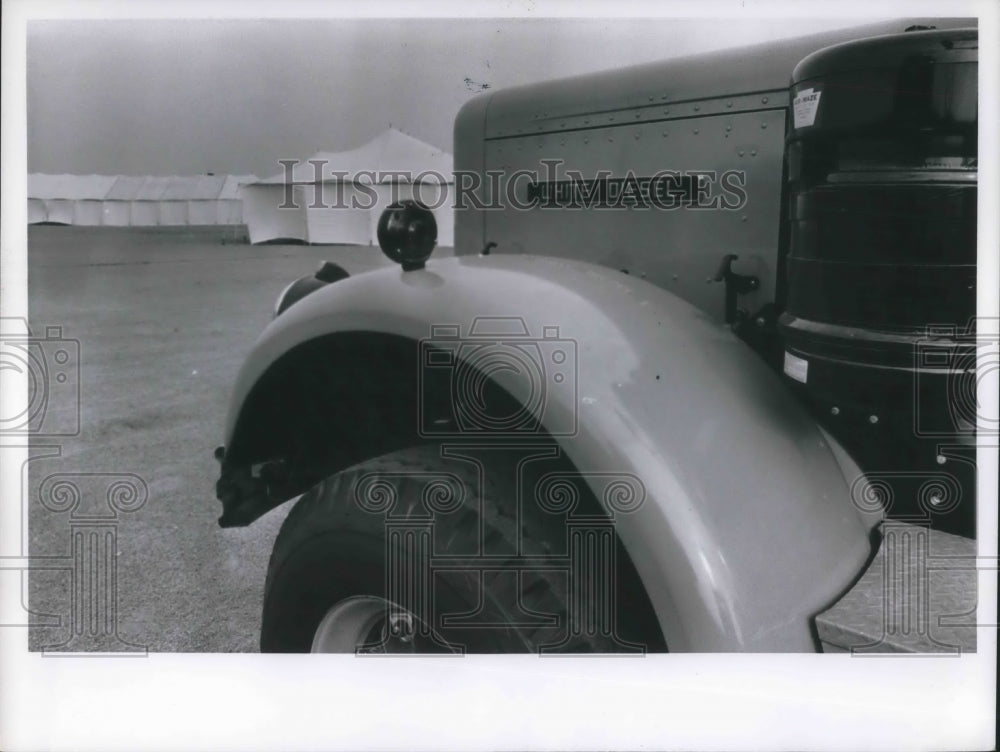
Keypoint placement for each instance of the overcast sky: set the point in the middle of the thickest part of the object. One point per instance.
(187, 97)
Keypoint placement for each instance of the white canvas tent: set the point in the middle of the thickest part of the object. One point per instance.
(229, 205)
(67, 199)
(118, 202)
(267, 217)
(125, 200)
(337, 197)
(145, 205)
(191, 200)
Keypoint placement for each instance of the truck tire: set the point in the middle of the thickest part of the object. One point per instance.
(326, 581)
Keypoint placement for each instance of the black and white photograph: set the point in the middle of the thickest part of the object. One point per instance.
(514, 377)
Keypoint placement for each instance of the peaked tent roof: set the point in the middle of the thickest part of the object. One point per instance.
(153, 188)
(195, 187)
(391, 151)
(136, 188)
(125, 188)
(231, 188)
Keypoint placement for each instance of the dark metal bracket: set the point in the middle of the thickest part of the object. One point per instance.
(736, 284)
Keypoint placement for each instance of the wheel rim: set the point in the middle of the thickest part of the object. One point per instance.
(367, 624)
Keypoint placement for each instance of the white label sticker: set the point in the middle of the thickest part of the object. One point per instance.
(804, 107)
(796, 368)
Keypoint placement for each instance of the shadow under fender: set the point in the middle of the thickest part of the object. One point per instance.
(438, 539)
(747, 528)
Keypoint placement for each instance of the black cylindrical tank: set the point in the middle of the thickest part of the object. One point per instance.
(879, 327)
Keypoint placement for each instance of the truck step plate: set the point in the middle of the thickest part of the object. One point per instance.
(917, 596)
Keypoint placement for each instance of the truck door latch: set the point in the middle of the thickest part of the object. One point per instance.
(736, 284)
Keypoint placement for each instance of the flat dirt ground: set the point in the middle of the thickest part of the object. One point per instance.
(164, 318)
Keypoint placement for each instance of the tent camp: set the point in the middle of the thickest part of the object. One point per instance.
(133, 201)
(67, 199)
(337, 197)
(229, 204)
(118, 201)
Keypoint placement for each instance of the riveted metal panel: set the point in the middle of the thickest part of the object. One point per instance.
(677, 248)
(648, 109)
(754, 69)
(470, 125)
(573, 118)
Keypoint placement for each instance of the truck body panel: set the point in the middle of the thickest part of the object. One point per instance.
(718, 113)
(747, 528)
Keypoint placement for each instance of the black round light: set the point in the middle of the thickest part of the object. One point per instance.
(407, 233)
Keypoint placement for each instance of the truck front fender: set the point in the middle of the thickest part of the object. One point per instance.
(747, 529)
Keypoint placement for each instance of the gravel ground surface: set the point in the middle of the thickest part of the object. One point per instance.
(164, 318)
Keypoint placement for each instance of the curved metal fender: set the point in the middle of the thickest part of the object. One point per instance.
(747, 529)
